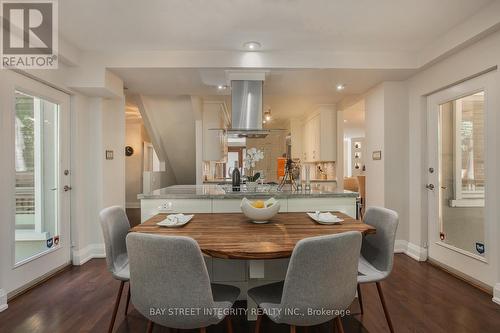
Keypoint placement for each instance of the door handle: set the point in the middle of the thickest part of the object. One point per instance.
(430, 187)
(67, 188)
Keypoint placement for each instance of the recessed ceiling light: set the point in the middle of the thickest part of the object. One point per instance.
(252, 46)
(345, 120)
(221, 87)
(340, 86)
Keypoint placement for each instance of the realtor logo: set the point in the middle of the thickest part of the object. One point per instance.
(29, 34)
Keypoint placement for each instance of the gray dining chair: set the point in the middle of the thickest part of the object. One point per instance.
(168, 272)
(115, 226)
(321, 275)
(377, 253)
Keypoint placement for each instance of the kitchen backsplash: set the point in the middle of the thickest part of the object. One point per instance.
(323, 170)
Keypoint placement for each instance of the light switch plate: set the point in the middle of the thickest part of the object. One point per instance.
(109, 154)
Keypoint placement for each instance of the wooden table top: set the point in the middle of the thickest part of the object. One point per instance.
(233, 236)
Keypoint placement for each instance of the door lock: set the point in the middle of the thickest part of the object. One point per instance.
(430, 187)
(67, 188)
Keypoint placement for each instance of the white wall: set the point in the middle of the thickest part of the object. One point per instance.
(396, 155)
(85, 172)
(113, 138)
(386, 129)
(134, 164)
(174, 122)
(97, 125)
(374, 140)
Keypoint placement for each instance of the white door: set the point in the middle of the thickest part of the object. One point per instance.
(37, 146)
(460, 121)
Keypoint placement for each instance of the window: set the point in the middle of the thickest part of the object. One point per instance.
(37, 169)
(468, 143)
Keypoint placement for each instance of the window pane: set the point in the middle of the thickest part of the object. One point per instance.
(472, 142)
(462, 177)
(36, 163)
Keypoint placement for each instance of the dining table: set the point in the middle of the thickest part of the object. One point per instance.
(234, 236)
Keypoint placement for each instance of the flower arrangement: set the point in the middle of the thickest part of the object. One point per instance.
(253, 155)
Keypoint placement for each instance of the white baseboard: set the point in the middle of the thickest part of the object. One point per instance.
(400, 246)
(411, 250)
(416, 252)
(91, 251)
(3, 300)
(496, 293)
(134, 204)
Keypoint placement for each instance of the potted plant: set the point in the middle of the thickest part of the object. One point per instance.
(253, 155)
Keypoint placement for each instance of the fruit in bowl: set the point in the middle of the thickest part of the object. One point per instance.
(260, 211)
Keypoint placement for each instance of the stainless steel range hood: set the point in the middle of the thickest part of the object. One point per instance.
(246, 109)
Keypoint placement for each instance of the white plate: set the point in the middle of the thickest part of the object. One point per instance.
(175, 220)
(325, 218)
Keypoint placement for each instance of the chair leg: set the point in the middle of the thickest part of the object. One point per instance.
(117, 304)
(360, 299)
(292, 329)
(386, 311)
(258, 323)
(229, 325)
(150, 327)
(128, 300)
(338, 323)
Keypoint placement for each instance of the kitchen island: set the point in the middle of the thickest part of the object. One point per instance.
(244, 274)
(220, 199)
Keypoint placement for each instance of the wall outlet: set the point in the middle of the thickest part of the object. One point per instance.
(166, 207)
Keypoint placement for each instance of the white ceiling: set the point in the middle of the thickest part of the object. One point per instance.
(354, 120)
(306, 82)
(286, 25)
(289, 92)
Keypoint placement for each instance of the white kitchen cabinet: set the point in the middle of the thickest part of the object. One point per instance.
(319, 137)
(214, 142)
(296, 132)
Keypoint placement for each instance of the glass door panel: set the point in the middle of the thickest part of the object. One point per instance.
(462, 173)
(37, 176)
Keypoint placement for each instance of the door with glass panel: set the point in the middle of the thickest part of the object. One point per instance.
(458, 178)
(40, 148)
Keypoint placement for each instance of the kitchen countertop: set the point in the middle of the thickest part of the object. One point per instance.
(323, 180)
(228, 181)
(216, 192)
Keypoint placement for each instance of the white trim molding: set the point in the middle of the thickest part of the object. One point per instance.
(3, 300)
(134, 204)
(411, 250)
(400, 246)
(91, 251)
(416, 252)
(496, 293)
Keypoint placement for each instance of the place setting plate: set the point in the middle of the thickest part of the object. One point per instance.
(175, 220)
(326, 218)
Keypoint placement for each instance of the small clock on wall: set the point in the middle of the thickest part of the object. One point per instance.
(129, 151)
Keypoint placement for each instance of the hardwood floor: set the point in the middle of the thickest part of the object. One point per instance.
(420, 298)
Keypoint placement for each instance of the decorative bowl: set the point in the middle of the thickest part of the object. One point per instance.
(260, 215)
